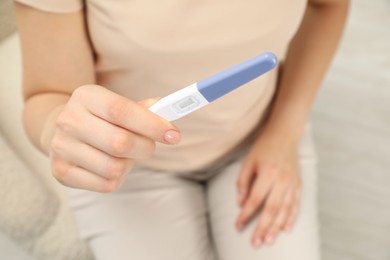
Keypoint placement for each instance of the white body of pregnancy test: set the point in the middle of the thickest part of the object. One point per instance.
(202, 93)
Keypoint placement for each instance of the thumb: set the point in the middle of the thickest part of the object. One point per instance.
(148, 102)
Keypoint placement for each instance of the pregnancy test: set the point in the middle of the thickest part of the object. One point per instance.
(202, 93)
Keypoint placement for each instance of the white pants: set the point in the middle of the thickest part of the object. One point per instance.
(190, 216)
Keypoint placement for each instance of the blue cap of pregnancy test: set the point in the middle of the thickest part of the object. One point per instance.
(225, 81)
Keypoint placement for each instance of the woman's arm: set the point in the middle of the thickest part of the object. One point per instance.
(91, 134)
(57, 58)
(269, 178)
(307, 60)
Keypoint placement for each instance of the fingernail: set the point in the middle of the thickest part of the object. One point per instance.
(239, 226)
(287, 228)
(148, 102)
(257, 243)
(172, 137)
(239, 198)
(269, 239)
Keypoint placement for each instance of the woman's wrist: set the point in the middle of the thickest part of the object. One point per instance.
(283, 133)
(48, 130)
(39, 116)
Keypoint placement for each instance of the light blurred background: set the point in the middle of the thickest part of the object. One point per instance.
(351, 122)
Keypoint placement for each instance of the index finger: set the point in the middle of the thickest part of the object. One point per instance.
(255, 200)
(127, 114)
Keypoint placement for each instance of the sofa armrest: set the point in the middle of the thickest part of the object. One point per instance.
(36, 213)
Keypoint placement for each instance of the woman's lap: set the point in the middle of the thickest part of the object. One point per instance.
(152, 216)
(158, 215)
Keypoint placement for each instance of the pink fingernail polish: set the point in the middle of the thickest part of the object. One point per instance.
(269, 239)
(257, 242)
(172, 137)
(239, 226)
(287, 228)
(238, 199)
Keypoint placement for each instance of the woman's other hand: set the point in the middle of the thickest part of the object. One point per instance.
(269, 183)
(97, 135)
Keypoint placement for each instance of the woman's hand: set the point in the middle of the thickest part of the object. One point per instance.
(269, 182)
(98, 134)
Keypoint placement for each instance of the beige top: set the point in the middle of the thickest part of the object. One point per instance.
(150, 48)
